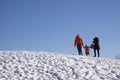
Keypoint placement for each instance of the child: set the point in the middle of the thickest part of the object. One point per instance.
(87, 50)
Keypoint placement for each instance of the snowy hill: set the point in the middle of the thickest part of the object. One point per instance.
(27, 65)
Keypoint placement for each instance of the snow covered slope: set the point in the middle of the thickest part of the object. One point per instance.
(27, 65)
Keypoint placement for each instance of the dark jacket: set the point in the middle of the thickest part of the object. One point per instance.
(96, 43)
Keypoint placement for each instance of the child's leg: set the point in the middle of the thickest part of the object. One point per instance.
(87, 53)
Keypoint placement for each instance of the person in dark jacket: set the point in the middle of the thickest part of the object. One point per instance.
(96, 46)
(79, 42)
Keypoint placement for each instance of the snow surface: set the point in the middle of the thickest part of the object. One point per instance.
(28, 65)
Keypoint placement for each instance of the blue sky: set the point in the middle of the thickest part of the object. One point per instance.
(51, 25)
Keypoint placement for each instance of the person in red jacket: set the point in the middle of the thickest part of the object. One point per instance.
(79, 42)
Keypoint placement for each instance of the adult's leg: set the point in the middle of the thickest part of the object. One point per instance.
(94, 52)
(98, 52)
(79, 47)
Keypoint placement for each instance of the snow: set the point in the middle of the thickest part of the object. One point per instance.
(29, 65)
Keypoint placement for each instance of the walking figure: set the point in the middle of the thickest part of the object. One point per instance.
(96, 46)
(79, 42)
(87, 50)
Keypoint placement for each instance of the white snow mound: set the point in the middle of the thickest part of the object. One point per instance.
(28, 65)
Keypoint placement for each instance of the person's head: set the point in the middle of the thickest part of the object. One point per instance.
(77, 35)
(96, 36)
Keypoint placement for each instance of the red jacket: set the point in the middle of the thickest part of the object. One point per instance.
(78, 40)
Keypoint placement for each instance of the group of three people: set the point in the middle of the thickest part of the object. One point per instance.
(95, 45)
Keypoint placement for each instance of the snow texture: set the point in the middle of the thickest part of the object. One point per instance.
(28, 65)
